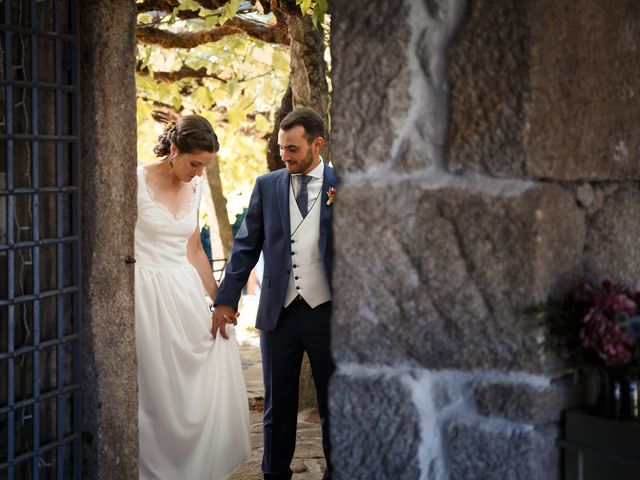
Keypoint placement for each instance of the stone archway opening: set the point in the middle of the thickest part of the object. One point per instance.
(107, 87)
(224, 72)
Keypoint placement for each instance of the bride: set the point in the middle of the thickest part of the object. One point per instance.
(193, 412)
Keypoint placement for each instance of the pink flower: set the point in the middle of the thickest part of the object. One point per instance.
(599, 323)
(607, 339)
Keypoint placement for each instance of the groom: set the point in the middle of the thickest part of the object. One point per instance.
(289, 219)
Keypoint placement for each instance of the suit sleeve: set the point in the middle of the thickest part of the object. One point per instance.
(244, 253)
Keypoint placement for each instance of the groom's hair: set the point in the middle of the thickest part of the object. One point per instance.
(307, 118)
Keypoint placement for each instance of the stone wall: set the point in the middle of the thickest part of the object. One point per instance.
(488, 156)
(108, 162)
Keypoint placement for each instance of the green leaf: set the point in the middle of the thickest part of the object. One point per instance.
(231, 86)
(229, 10)
(145, 18)
(144, 109)
(263, 124)
(236, 116)
(305, 5)
(203, 96)
(319, 10)
(176, 100)
(211, 21)
(280, 61)
(188, 5)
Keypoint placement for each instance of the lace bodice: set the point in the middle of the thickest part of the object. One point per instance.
(160, 236)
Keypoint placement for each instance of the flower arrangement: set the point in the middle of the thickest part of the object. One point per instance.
(597, 325)
(331, 196)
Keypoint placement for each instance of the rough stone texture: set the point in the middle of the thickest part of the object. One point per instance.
(109, 385)
(376, 435)
(584, 112)
(523, 403)
(612, 237)
(369, 66)
(482, 451)
(489, 81)
(454, 271)
(532, 90)
(435, 272)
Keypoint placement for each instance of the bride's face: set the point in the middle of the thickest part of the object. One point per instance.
(188, 165)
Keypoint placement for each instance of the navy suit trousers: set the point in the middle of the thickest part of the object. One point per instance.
(300, 328)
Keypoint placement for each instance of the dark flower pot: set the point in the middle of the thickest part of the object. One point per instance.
(618, 397)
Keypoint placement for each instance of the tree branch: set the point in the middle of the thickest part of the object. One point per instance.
(162, 112)
(183, 73)
(288, 7)
(277, 33)
(168, 6)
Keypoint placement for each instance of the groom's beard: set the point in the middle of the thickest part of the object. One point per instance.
(308, 161)
(301, 166)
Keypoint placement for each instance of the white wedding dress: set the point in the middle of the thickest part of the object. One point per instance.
(193, 413)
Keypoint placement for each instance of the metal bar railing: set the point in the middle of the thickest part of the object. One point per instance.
(42, 242)
(30, 297)
(29, 31)
(35, 228)
(41, 346)
(10, 254)
(42, 373)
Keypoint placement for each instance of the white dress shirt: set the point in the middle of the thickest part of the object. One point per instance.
(314, 186)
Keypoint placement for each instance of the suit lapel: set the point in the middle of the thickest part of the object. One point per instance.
(282, 191)
(329, 180)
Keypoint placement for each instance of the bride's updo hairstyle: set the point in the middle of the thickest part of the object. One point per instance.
(191, 133)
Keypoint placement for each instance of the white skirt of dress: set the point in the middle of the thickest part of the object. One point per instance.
(193, 412)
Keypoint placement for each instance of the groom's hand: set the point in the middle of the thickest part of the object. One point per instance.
(222, 314)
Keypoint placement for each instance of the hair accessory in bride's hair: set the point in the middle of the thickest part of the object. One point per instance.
(169, 126)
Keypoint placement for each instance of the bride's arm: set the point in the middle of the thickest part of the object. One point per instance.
(197, 258)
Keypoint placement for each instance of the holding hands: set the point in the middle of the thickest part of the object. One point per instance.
(223, 314)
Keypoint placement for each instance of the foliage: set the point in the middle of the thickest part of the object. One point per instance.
(316, 8)
(596, 325)
(244, 80)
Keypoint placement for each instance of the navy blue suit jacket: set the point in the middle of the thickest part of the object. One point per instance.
(267, 227)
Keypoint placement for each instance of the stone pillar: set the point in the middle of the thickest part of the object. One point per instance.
(483, 148)
(108, 161)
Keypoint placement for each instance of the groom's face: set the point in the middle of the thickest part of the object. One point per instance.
(298, 155)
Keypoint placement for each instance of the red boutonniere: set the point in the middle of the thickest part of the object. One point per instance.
(331, 194)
